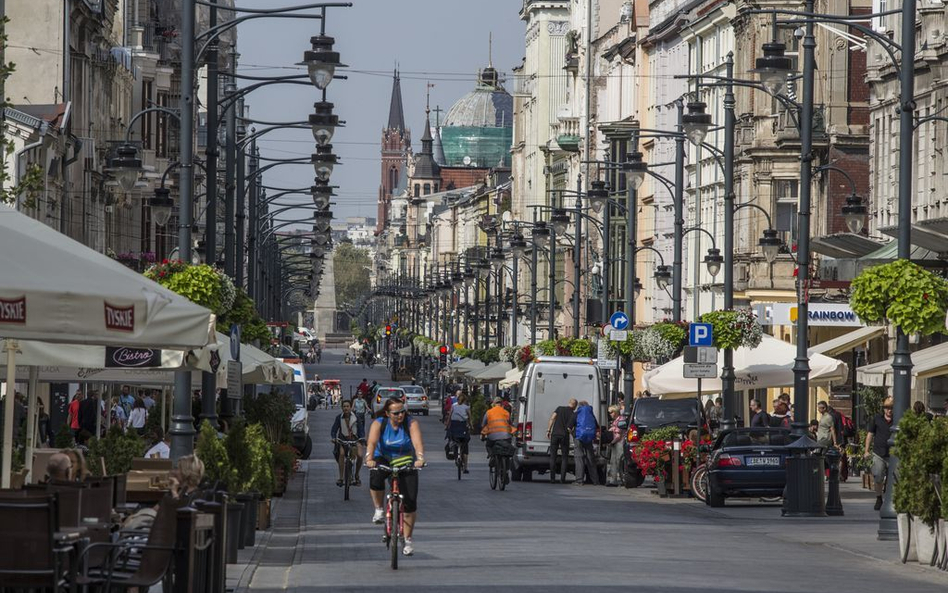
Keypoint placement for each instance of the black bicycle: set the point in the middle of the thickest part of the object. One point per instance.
(394, 518)
(349, 452)
(499, 462)
(454, 452)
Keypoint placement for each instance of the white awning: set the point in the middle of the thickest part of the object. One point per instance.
(491, 373)
(926, 363)
(847, 341)
(405, 351)
(511, 378)
(769, 365)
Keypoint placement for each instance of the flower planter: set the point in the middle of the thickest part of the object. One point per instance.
(907, 551)
(235, 511)
(248, 519)
(662, 488)
(263, 515)
(925, 538)
(941, 541)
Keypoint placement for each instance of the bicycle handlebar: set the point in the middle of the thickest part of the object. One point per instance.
(396, 470)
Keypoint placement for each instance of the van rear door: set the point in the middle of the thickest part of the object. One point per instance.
(553, 387)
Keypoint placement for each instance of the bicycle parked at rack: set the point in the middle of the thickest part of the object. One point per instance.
(349, 452)
(394, 517)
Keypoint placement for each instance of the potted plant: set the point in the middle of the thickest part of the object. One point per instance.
(919, 445)
(734, 328)
(652, 455)
(901, 293)
(117, 449)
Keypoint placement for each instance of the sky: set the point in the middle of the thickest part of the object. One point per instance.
(443, 42)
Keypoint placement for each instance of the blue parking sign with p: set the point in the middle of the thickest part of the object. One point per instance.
(699, 334)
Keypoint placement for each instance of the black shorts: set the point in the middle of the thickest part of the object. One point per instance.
(407, 485)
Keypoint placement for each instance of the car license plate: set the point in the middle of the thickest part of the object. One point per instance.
(763, 461)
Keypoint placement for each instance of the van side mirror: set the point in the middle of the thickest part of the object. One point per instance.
(522, 399)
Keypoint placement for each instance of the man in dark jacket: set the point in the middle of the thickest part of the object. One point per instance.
(88, 412)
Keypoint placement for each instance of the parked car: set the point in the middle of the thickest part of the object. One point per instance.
(748, 462)
(547, 383)
(384, 393)
(417, 399)
(649, 413)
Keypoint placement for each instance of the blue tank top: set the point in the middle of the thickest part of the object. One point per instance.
(394, 442)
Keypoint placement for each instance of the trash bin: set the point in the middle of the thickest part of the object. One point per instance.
(804, 493)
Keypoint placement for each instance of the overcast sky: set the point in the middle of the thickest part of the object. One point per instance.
(441, 41)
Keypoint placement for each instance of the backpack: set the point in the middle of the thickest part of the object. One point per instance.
(585, 425)
(358, 405)
(849, 427)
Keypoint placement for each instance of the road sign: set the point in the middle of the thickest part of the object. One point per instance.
(699, 334)
(701, 354)
(606, 363)
(700, 371)
(606, 330)
(235, 379)
(618, 335)
(619, 320)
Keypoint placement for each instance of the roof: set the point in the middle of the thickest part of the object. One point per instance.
(396, 114)
(484, 107)
(844, 245)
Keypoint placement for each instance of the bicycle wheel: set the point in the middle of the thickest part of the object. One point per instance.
(395, 518)
(493, 475)
(699, 482)
(347, 476)
(502, 470)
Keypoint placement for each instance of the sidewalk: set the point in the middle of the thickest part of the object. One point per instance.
(853, 533)
(276, 548)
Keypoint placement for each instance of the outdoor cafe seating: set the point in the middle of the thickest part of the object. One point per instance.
(69, 536)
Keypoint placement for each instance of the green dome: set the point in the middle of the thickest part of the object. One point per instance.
(478, 129)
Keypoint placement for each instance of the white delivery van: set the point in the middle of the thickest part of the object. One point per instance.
(548, 383)
(299, 423)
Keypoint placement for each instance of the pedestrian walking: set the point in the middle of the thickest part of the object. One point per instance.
(88, 412)
(138, 416)
(616, 448)
(117, 416)
(73, 414)
(759, 418)
(877, 446)
(781, 416)
(558, 432)
(826, 430)
(585, 428)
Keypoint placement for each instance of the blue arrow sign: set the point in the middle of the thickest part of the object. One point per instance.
(699, 334)
(619, 321)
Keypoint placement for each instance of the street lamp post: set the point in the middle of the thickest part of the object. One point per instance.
(679, 202)
(577, 254)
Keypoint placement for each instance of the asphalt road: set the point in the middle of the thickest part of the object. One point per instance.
(542, 537)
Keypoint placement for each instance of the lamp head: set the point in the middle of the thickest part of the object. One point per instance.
(663, 276)
(770, 244)
(598, 195)
(855, 213)
(774, 67)
(323, 122)
(518, 246)
(497, 258)
(323, 161)
(635, 169)
(559, 221)
(126, 166)
(161, 205)
(696, 122)
(321, 61)
(713, 261)
(322, 221)
(541, 235)
(636, 288)
(322, 194)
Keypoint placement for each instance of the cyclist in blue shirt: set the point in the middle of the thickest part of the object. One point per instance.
(395, 440)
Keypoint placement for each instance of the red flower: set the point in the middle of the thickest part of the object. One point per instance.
(164, 261)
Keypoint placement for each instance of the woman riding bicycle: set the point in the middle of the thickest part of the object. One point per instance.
(459, 427)
(346, 427)
(395, 437)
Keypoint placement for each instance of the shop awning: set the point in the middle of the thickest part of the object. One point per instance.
(511, 378)
(466, 365)
(844, 245)
(928, 362)
(406, 351)
(491, 373)
(847, 341)
(923, 236)
(767, 366)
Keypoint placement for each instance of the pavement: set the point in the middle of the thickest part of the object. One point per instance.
(543, 537)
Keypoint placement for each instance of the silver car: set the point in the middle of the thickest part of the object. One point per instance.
(386, 393)
(417, 398)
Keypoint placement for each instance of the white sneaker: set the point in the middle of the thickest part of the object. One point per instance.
(409, 549)
(379, 516)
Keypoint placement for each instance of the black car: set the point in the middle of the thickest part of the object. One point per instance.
(748, 462)
(649, 413)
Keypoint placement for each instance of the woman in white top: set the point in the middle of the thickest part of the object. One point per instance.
(138, 416)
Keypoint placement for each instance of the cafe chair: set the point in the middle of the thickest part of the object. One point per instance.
(152, 556)
(31, 554)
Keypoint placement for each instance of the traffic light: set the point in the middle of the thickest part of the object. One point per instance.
(388, 330)
(443, 355)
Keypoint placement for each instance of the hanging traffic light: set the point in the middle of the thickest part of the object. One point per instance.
(388, 330)
(442, 355)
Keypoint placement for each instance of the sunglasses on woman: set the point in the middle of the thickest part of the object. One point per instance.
(396, 412)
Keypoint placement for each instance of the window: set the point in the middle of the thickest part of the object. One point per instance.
(427, 188)
(786, 196)
(162, 139)
(417, 190)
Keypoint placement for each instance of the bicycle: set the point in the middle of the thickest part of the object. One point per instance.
(499, 463)
(349, 454)
(394, 520)
(455, 452)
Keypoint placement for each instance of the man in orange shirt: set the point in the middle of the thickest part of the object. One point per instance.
(74, 414)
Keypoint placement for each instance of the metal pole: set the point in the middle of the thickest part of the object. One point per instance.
(230, 181)
(902, 360)
(515, 271)
(500, 290)
(606, 247)
(727, 372)
(679, 214)
(182, 424)
(801, 364)
(631, 231)
(209, 380)
(252, 225)
(533, 286)
(577, 237)
(241, 214)
(552, 291)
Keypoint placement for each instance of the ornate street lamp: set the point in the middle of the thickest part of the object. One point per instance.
(161, 205)
(323, 162)
(518, 246)
(598, 195)
(321, 61)
(855, 213)
(774, 67)
(770, 244)
(323, 122)
(635, 169)
(713, 261)
(559, 221)
(663, 276)
(126, 166)
(696, 122)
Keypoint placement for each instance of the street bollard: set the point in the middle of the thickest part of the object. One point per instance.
(834, 504)
(803, 495)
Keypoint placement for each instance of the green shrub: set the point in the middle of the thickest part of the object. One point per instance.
(272, 411)
(920, 445)
(64, 437)
(117, 448)
(212, 452)
(902, 293)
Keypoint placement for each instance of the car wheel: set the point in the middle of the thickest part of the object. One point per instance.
(526, 475)
(715, 498)
(307, 448)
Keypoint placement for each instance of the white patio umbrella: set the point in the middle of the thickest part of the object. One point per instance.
(511, 378)
(57, 290)
(767, 366)
(491, 373)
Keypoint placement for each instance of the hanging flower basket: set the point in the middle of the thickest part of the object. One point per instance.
(901, 293)
(734, 329)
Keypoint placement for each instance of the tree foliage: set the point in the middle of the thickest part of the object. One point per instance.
(351, 272)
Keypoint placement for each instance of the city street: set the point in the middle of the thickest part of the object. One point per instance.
(542, 537)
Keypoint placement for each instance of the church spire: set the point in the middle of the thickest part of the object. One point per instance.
(396, 115)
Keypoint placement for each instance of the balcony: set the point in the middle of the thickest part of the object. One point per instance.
(566, 131)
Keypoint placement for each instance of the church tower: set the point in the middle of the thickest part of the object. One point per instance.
(396, 144)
